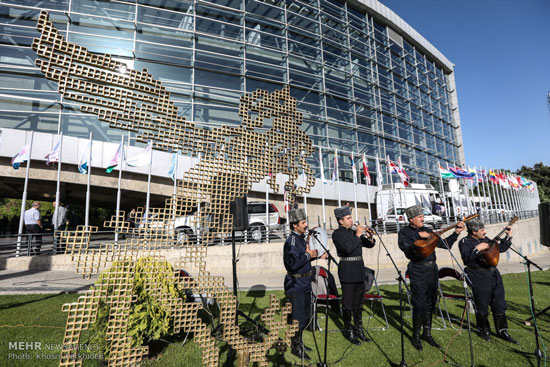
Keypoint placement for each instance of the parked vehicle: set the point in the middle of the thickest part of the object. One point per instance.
(430, 220)
(187, 227)
(397, 195)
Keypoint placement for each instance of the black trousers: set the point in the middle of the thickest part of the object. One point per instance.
(33, 229)
(352, 295)
(488, 290)
(424, 297)
(301, 307)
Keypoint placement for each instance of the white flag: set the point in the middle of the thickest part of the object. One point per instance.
(142, 159)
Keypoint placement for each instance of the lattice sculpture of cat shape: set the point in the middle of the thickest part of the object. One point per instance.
(232, 158)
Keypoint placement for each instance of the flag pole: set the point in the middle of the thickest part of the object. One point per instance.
(322, 188)
(367, 179)
(149, 182)
(442, 192)
(337, 175)
(24, 200)
(354, 188)
(57, 193)
(121, 162)
(87, 214)
(392, 192)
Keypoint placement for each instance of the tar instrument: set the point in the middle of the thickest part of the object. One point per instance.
(426, 246)
(318, 236)
(492, 254)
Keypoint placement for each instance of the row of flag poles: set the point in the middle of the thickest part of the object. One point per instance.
(502, 188)
(143, 158)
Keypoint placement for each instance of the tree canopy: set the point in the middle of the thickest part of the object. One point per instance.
(541, 175)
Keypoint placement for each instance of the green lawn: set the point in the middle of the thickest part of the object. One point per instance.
(38, 319)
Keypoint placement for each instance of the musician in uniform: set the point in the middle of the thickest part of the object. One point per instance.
(423, 272)
(297, 257)
(349, 243)
(486, 280)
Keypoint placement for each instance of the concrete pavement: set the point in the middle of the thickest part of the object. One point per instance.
(58, 281)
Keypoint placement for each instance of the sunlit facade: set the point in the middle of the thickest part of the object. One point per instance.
(365, 81)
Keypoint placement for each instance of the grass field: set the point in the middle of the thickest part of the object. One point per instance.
(38, 319)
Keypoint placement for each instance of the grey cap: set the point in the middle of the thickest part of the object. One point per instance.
(474, 225)
(414, 211)
(296, 215)
(342, 212)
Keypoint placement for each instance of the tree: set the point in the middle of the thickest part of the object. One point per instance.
(541, 175)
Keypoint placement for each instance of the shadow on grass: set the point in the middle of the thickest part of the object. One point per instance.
(19, 304)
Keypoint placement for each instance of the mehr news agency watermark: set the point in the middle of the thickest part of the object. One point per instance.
(27, 350)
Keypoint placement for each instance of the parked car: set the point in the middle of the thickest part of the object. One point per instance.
(430, 220)
(258, 221)
(187, 227)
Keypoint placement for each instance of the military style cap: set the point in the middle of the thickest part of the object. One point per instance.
(342, 212)
(414, 211)
(474, 225)
(296, 215)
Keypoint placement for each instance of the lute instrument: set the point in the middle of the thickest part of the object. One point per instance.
(492, 254)
(424, 247)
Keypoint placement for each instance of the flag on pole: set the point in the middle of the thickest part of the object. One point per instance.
(493, 177)
(142, 159)
(21, 157)
(335, 167)
(83, 165)
(394, 168)
(379, 177)
(53, 156)
(353, 168)
(115, 161)
(172, 169)
(445, 173)
(404, 176)
(461, 173)
(366, 170)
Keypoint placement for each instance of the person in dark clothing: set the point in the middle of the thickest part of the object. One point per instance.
(486, 280)
(297, 257)
(349, 242)
(423, 273)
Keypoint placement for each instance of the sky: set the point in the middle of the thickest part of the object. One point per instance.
(501, 49)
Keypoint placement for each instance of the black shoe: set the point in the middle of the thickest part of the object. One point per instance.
(360, 333)
(504, 335)
(485, 335)
(427, 334)
(350, 335)
(430, 340)
(484, 327)
(299, 352)
(418, 320)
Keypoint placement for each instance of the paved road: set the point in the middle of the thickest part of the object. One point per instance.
(51, 281)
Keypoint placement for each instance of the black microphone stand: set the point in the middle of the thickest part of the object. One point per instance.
(467, 296)
(330, 258)
(537, 352)
(402, 282)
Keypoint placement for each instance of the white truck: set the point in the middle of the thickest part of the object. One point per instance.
(398, 196)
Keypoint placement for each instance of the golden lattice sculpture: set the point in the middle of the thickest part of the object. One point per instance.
(232, 158)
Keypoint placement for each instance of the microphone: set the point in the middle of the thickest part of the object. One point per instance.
(312, 231)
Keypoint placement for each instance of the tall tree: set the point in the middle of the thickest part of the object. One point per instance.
(541, 175)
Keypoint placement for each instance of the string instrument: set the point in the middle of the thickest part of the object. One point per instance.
(426, 246)
(492, 254)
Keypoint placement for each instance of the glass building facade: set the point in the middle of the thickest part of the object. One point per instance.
(364, 85)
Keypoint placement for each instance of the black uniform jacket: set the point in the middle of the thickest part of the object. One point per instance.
(297, 261)
(421, 270)
(471, 257)
(349, 245)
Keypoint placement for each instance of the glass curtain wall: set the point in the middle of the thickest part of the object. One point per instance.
(362, 88)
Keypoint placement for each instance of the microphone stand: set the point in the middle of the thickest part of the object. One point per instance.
(528, 262)
(330, 258)
(402, 282)
(465, 282)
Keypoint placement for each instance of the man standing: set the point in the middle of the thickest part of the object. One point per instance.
(59, 222)
(423, 272)
(33, 226)
(297, 256)
(486, 280)
(349, 244)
